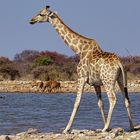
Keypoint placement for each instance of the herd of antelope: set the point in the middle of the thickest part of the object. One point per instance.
(47, 86)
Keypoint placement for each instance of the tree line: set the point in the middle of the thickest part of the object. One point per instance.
(47, 65)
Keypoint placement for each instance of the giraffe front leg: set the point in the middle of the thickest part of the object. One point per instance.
(81, 83)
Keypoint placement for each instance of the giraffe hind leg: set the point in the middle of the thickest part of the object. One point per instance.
(127, 102)
(112, 102)
(100, 102)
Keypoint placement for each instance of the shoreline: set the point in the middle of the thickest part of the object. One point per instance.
(66, 87)
(113, 134)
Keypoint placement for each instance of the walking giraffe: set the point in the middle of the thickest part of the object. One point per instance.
(96, 67)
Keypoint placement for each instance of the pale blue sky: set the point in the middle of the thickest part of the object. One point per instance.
(115, 25)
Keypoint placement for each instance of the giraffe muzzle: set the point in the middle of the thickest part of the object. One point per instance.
(32, 21)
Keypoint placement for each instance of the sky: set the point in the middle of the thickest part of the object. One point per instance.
(115, 25)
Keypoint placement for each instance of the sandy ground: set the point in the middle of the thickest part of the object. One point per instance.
(66, 87)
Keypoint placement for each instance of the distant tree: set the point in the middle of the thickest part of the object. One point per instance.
(56, 57)
(26, 55)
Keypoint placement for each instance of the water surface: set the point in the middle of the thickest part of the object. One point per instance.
(51, 112)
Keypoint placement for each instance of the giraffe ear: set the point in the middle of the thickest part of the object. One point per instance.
(47, 7)
(55, 12)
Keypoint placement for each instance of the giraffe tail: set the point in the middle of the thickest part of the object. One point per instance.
(124, 75)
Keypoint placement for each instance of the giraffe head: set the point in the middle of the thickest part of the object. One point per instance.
(42, 16)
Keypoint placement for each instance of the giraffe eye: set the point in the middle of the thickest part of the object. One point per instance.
(42, 14)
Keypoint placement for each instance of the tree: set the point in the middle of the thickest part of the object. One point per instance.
(26, 56)
(57, 58)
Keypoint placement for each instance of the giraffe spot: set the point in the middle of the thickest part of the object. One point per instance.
(66, 42)
(65, 30)
(75, 49)
(85, 48)
(95, 48)
(80, 45)
(83, 54)
(60, 26)
(82, 72)
(81, 41)
(111, 64)
(84, 61)
(73, 35)
(57, 30)
(62, 36)
(85, 66)
(98, 53)
(70, 36)
(85, 42)
(62, 31)
(90, 47)
(89, 42)
(67, 38)
(75, 41)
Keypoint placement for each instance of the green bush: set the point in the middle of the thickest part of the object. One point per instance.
(42, 60)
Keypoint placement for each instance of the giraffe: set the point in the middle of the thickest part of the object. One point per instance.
(96, 68)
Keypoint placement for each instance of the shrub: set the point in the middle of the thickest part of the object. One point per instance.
(4, 60)
(42, 60)
(9, 71)
(40, 72)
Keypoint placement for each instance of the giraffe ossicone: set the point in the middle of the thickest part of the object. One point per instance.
(47, 6)
(96, 67)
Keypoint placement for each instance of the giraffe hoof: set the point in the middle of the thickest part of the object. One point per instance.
(133, 129)
(66, 131)
(106, 129)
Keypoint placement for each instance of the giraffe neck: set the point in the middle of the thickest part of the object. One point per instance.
(75, 41)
